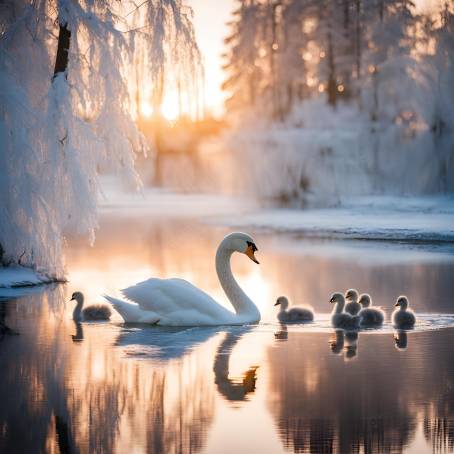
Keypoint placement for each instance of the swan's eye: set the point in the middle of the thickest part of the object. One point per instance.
(252, 245)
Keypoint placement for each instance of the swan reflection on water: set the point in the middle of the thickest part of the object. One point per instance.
(163, 343)
(344, 342)
(79, 336)
(351, 347)
(233, 389)
(336, 342)
(282, 333)
(401, 340)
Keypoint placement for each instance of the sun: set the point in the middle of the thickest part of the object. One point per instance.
(146, 108)
(169, 109)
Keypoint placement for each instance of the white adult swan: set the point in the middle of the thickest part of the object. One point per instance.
(176, 302)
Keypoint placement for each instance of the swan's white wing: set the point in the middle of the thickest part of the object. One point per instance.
(169, 297)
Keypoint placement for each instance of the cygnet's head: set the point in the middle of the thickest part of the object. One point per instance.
(364, 300)
(240, 242)
(283, 302)
(78, 296)
(337, 298)
(351, 294)
(402, 301)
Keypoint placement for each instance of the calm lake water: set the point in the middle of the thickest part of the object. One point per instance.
(113, 388)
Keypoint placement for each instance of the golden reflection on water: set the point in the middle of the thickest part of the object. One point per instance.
(374, 404)
(90, 394)
(289, 393)
(107, 387)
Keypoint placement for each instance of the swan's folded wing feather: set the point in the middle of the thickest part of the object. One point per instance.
(167, 296)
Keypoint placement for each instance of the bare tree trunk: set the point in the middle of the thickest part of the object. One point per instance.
(64, 40)
(332, 85)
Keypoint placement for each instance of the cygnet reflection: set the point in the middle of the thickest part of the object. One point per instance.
(79, 336)
(401, 340)
(282, 333)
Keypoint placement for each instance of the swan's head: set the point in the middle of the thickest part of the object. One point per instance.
(78, 296)
(351, 294)
(402, 301)
(364, 300)
(283, 302)
(241, 242)
(337, 298)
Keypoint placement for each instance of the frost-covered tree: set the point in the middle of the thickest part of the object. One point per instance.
(443, 77)
(245, 48)
(357, 87)
(367, 51)
(67, 108)
(390, 62)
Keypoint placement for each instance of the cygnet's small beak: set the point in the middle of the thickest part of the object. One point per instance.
(250, 253)
(277, 303)
(397, 304)
(72, 298)
(331, 300)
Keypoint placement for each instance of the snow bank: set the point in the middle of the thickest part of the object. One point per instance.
(154, 202)
(19, 276)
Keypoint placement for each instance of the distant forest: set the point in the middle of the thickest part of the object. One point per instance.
(393, 62)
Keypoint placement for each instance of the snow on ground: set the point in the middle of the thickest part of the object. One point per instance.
(375, 218)
(12, 277)
(380, 218)
(152, 202)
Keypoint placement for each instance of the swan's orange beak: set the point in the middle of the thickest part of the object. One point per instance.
(250, 253)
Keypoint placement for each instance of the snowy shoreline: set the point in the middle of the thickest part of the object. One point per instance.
(388, 218)
(19, 276)
(427, 219)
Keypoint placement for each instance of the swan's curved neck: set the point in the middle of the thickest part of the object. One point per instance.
(339, 307)
(77, 313)
(240, 301)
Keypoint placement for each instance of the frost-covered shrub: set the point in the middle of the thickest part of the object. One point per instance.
(323, 156)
